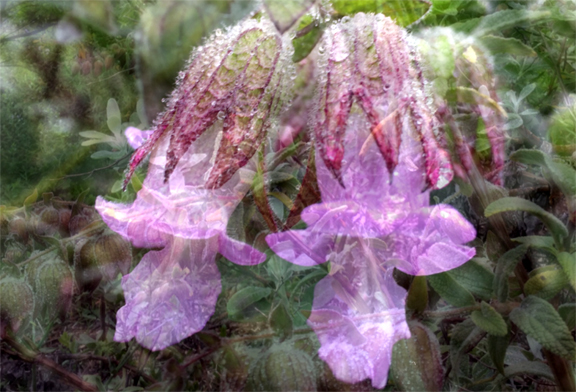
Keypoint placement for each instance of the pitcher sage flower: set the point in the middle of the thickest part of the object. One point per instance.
(376, 153)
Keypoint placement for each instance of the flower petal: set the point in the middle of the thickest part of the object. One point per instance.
(136, 137)
(239, 252)
(301, 247)
(358, 345)
(170, 295)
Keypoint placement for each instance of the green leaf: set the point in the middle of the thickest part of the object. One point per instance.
(529, 367)
(286, 12)
(568, 263)
(526, 91)
(475, 97)
(260, 195)
(303, 45)
(465, 336)
(504, 268)
(499, 45)
(562, 130)
(98, 13)
(96, 137)
(482, 143)
(113, 114)
(31, 199)
(494, 246)
(417, 299)
(489, 320)
(538, 319)
(499, 21)
(561, 173)
(404, 12)
(439, 57)
(553, 224)
(475, 276)
(281, 322)
(245, 298)
(546, 284)
(233, 362)
(451, 290)
(136, 183)
(568, 314)
(416, 362)
(537, 241)
(497, 347)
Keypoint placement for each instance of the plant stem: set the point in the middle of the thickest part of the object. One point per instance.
(32, 356)
(449, 312)
(562, 371)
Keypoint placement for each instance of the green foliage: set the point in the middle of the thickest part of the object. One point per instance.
(452, 290)
(562, 131)
(501, 45)
(242, 302)
(488, 319)
(285, 13)
(539, 320)
(19, 147)
(404, 12)
(568, 263)
(304, 44)
(416, 362)
(497, 347)
(417, 294)
(555, 225)
(504, 268)
(546, 282)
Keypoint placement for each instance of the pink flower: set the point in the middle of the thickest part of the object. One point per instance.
(172, 292)
(366, 227)
(136, 137)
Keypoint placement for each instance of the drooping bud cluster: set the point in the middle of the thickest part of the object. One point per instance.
(369, 62)
(235, 79)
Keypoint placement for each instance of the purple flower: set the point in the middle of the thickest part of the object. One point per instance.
(365, 227)
(172, 292)
(136, 137)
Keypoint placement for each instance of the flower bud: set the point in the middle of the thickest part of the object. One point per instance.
(17, 227)
(98, 66)
(369, 62)
(48, 222)
(108, 62)
(86, 271)
(64, 215)
(16, 303)
(14, 252)
(234, 82)
(86, 68)
(100, 257)
(78, 222)
(53, 284)
(283, 368)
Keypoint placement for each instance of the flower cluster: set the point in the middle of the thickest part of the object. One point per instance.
(377, 152)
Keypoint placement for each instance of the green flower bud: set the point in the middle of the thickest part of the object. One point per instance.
(16, 303)
(100, 257)
(283, 368)
(52, 281)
